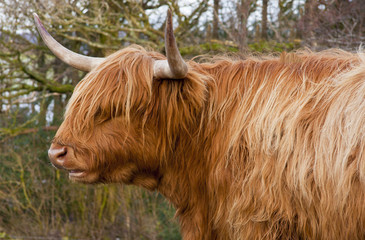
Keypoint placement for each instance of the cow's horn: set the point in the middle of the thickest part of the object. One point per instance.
(174, 67)
(73, 59)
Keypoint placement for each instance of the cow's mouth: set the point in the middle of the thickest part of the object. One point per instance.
(77, 173)
(83, 176)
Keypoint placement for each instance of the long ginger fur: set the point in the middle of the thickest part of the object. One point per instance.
(255, 148)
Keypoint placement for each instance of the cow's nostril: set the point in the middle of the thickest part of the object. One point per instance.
(57, 154)
(62, 154)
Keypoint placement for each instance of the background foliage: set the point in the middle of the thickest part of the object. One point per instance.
(37, 201)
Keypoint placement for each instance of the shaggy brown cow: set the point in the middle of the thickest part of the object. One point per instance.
(245, 149)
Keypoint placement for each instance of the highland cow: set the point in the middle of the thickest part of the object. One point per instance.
(255, 148)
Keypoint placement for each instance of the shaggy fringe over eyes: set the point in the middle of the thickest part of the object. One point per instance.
(122, 82)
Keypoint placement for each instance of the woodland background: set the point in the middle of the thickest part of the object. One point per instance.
(39, 202)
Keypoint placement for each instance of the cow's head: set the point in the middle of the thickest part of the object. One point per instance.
(106, 135)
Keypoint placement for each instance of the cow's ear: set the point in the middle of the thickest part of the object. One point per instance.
(174, 67)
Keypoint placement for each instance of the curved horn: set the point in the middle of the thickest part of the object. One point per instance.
(73, 59)
(174, 67)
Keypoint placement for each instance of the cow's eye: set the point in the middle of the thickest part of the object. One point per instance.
(101, 115)
(98, 112)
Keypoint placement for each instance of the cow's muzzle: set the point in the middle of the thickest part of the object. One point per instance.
(63, 157)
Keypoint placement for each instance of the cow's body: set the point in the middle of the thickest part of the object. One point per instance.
(279, 151)
(244, 149)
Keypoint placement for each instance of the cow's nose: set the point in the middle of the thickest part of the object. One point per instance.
(57, 154)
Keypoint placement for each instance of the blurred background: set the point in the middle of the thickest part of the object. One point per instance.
(39, 202)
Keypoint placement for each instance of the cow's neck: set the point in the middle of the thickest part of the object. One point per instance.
(189, 177)
(187, 191)
(187, 183)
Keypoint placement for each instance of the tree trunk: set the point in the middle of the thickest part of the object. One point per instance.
(42, 116)
(309, 15)
(215, 19)
(264, 20)
(243, 14)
